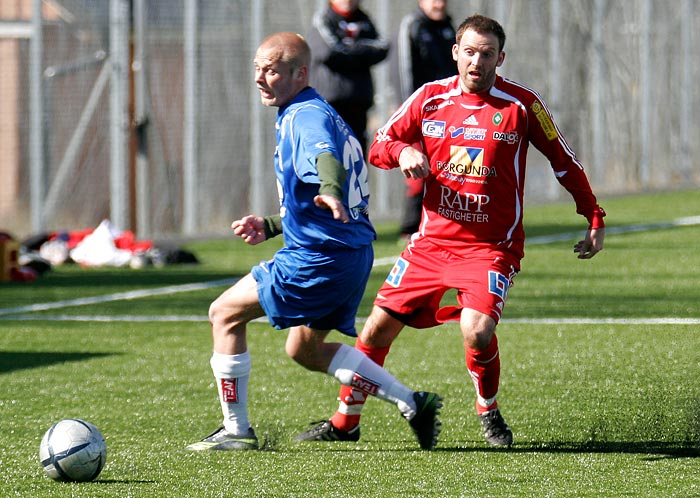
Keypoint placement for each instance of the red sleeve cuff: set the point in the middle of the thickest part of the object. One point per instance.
(596, 221)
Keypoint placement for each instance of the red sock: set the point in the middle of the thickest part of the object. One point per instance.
(351, 400)
(484, 367)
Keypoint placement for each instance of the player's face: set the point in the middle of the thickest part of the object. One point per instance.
(277, 82)
(435, 10)
(346, 5)
(477, 57)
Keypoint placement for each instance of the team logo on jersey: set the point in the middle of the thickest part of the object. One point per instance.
(436, 107)
(471, 121)
(475, 133)
(434, 129)
(510, 137)
(468, 133)
(466, 161)
(497, 118)
(464, 207)
(548, 127)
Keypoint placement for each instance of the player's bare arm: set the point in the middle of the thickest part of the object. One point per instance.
(413, 163)
(591, 245)
(325, 201)
(250, 228)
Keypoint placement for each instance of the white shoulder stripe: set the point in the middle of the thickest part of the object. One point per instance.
(401, 111)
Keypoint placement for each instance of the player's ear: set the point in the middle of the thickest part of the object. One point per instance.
(455, 52)
(501, 58)
(302, 73)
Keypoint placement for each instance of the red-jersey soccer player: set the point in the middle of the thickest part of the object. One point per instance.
(468, 137)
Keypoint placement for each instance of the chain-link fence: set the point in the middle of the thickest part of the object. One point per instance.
(145, 111)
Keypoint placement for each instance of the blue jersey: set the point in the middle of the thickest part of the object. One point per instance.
(307, 127)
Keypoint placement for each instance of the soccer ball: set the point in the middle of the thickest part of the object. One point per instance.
(73, 450)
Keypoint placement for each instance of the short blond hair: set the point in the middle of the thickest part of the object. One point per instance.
(289, 48)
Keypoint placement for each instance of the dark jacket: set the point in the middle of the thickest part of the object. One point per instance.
(422, 53)
(342, 52)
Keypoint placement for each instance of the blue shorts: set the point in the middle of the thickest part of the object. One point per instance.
(320, 290)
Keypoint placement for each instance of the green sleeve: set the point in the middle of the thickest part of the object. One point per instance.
(332, 175)
(272, 226)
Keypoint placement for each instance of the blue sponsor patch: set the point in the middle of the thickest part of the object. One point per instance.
(434, 129)
(397, 272)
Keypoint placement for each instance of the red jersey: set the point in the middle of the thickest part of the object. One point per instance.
(477, 146)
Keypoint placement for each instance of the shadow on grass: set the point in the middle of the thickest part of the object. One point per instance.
(124, 481)
(650, 450)
(20, 360)
(655, 450)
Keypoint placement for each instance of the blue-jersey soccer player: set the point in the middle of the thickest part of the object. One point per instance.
(315, 283)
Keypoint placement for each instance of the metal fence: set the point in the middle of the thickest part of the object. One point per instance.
(145, 112)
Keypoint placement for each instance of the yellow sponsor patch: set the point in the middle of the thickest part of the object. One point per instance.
(547, 126)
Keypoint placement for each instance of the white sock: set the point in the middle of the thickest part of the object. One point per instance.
(353, 368)
(232, 373)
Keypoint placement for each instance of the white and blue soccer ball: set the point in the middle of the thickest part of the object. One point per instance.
(73, 450)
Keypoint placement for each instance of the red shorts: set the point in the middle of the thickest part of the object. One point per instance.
(424, 272)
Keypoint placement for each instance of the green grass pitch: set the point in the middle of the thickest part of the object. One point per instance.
(600, 378)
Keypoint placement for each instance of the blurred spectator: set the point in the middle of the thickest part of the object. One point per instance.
(344, 46)
(422, 53)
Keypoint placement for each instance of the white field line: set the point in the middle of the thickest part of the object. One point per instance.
(174, 289)
(136, 294)
(119, 296)
(679, 222)
(603, 321)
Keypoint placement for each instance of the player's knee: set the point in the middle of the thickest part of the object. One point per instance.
(292, 350)
(477, 329)
(381, 328)
(305, 352)
(299, 354)
(214, 312)
(222, 315)
(478, 339)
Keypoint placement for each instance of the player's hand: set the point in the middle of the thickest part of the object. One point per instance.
(413, 163)
(591, 245)
(250, 228)
(329, 202)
